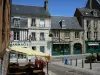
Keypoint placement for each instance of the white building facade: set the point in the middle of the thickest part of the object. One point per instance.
(30, 27)
(39, 33)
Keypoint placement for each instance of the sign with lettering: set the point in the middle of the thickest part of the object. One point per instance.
(14, 43)
(92, 46)
(93, 42)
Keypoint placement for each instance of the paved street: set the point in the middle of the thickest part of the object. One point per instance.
(58, 70)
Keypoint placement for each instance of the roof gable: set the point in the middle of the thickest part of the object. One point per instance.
(89, 12)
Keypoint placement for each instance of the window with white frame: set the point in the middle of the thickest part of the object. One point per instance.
(33, 38)
(33, 22)
(77, 35)
(16, 22)
(42, 49)
(67, 34)
(42, 23)
(42, 36)
(16, 35)
(56, 33)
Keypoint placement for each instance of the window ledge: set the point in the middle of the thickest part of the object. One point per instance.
(16, 40)
(56, 37)
(77, 38)
(67, 37)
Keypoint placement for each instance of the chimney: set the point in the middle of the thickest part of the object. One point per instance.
(46, 4)
(90, 4)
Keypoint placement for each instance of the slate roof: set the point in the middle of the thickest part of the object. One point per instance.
(30, 10)
(70, 22)
(98, 1)
(94, 5)
(87, 12)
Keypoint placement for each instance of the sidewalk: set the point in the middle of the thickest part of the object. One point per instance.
(49, 72)
(86, 54)
(95, 66)
(85, 70)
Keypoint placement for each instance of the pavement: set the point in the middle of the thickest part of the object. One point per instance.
(78, 56)
(49, 72)
(83, 71)
(95, 66)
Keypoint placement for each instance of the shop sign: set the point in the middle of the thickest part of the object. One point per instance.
(93, 42)
(19, 43)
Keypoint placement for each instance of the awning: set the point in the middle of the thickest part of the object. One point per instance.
(93, 44)
(29, 51)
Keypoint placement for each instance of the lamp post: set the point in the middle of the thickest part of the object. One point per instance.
(83, 42)
(51, 35)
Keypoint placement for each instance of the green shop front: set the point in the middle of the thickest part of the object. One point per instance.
(61, 49)
(77, 48)
(92, 46)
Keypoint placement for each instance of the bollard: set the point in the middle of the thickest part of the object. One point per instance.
(47, 68)
(76, 61)
(82, 63)
(70, 61)
(90, 64)
(62, 59)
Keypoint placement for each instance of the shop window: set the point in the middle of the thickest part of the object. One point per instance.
(93, 47)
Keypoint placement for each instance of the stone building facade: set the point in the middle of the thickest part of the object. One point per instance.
(39, 34)
(19, 30)
(34, 25)
(66, 36)
(89, 19)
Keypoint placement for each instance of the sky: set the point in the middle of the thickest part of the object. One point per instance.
(56, 7)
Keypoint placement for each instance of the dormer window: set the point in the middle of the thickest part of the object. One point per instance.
(86, 13)
(94, 13)
(62, 23)
(16, 22)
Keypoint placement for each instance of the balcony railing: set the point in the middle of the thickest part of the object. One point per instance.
(42, 25)
(33, 25)
(42, 39)
(33, 39)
